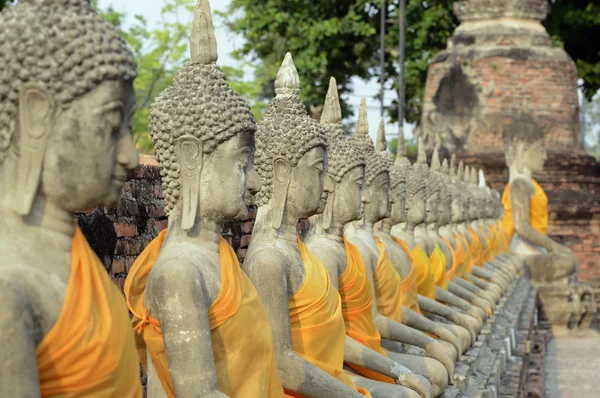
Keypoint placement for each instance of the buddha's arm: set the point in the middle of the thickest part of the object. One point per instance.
(358, 354)
(392, 330)
(447, 297)
(451, 314)
(470, 297)
(417, 321)
(180, 297)
(520, 194)
(296, 373)
(18, 368)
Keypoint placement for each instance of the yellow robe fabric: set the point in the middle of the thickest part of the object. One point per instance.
(425, 278)
(475, 248)
(317, 323)
(90, 351)
(357, 300)
(538, 210)
(240, 329)
(388, 286)
(438, 265)
(452, 271)
(466, 266)
(410, 295)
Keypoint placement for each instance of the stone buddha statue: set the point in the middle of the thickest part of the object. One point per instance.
(198, 316)
(443, 251)
(303, 306)
(468, 241)
(66, 104)
(551, 266)
(456, 283)
(363, 353)
(389, 314)
(422, 205)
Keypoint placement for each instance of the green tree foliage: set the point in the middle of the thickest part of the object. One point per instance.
(575, 25)
(341, 39)
(159, 53)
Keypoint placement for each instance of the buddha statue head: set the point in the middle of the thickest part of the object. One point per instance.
(454, 186)
(66, 107)
(432, 188)
(203, 134)
(524, 145)
(416, 180)
(290, 155)
(345, 167)
(399, 172)
(377, 179)
(441, 173)
(465, 193)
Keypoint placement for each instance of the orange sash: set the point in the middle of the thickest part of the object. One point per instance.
(388, 286)
(410, 295)
(452, 271)
(538, 210)
(438, 264)
(466, 266)
(475, 248)
(317, 322)
(240, 329)
(90, 351)
(425, 281)
(357, 299)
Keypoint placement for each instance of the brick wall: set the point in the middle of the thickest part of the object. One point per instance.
(546, 90)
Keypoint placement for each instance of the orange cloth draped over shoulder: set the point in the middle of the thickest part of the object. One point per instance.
(410, 295)
(425, 281)
(538, 210)
(317, 323)
(452, 271)
(90, 351)
(438, 264)
(475, 248)
(388, 286)
(357, 300)
(486, 249)
(467, 263)
(503, 239)
(240, 330)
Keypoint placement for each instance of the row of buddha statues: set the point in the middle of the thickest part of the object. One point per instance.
(401, 266)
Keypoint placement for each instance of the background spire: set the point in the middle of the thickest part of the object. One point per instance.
(287, 77)
(445, 169)
(381, 144)
(332, 111)
(203, 45)
(435, 160)
(422, 156)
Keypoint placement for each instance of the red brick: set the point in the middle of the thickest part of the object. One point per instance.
(155, 211)
(118, 265)
(244, 241)
(130, 247)
(247, 227)
(162, 224)
(125, 230)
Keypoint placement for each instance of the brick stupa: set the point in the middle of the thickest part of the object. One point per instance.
(500, 61)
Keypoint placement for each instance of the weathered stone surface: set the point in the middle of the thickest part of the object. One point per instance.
(500, 59)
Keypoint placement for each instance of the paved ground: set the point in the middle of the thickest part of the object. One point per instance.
(572, 367)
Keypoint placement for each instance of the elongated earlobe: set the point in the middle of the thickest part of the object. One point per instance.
(36, 110)
(328, 212)
(189, 157)
(281, 183)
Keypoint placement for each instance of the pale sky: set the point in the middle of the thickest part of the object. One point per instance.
(227, 42)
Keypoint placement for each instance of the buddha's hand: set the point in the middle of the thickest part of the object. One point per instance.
(484, 305)
(415, 382)
(449, 337)
(436, 350)
(462, 320)
(476, 313)
(561, 249)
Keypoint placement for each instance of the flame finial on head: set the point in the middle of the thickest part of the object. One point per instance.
(332, 111)
(287, 81)
(460, 171)
(381, 144)
(401, 149)
(435, 160)
(361, 132)
(203, 45)
(453, 167)
(422, 156)
(445, 169)
(482, 182)
(473, 176)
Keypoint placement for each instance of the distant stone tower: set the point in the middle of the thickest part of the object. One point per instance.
(499, 63)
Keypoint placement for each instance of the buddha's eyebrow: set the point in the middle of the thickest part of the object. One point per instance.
(110, 106)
